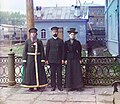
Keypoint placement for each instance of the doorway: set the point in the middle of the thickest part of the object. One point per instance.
(60, 32)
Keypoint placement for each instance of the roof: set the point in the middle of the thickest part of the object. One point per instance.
(92, 5)
(52, 13)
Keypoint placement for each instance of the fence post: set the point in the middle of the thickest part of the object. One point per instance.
(118, 57)
(11, 68)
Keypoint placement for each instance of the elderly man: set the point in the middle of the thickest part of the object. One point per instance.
(33, 59)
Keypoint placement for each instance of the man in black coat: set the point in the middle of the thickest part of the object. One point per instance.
(73, 50)
(55, 57)
(33, 59)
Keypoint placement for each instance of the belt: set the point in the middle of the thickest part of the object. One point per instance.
(33, 53)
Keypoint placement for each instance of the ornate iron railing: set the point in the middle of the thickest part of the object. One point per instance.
(3, 69)
(96, 70)
(18, 69)
(101, 70)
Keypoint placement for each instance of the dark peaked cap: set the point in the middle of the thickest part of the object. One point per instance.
(54, 28)
(33, 30)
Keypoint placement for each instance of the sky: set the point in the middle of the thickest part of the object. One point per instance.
(20, 5)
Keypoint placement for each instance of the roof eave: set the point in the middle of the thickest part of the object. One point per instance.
(50, 20)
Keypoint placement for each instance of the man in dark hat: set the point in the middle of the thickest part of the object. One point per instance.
(33, 59)
(73, 50)
(33, 30)
(55, 57)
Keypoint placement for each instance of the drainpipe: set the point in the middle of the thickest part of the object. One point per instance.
(106, 25)
(118, 27)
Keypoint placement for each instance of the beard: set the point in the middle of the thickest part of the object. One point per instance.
(33, 38)
(55, 35)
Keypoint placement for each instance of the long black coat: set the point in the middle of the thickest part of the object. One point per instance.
(73, 71)
(34, 74)
(55, 50)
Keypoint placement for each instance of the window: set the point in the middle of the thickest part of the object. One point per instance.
(97, 11)
(101, 22)
(91, 20)
(97, 21)
(43, 34)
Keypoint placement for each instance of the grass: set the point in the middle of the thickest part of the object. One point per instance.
(83, 53)
(102, 51)
(18, 50)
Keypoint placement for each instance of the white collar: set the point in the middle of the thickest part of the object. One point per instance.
(54, 37)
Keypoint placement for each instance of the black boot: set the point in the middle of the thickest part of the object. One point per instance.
(31, 89)
(53, 89)
(60, 88)
(38, 89)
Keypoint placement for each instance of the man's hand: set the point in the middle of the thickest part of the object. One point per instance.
(63, 62)
(66, 62)
(80, 62)
(25, 65)
(46, 62)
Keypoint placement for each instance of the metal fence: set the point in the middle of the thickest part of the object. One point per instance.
(3, 69)
(96, 70)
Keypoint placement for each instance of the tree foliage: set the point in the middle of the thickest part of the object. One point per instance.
(12, 18)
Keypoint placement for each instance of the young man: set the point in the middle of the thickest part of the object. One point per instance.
(55, 57)
(73, 50)
(33, 59)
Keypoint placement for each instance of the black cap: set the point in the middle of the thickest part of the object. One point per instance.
(54, 28)
(33, 30)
